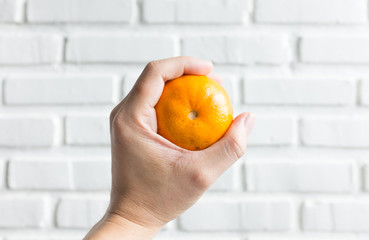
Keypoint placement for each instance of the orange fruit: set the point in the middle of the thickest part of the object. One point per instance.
(193, 112)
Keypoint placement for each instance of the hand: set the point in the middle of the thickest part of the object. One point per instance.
(154, 181)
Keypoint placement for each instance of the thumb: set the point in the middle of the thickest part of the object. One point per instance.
(231, 146)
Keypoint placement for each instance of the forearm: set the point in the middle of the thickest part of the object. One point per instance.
(118, 228)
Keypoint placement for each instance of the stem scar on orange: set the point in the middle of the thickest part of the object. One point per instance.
(193, 112)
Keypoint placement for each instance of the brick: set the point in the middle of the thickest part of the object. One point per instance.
(335, 131)
(299, 92)
(60, 90)
(195, 11)
(298, 237)
(11, 10)
(1, 91)
(335, 49)
(217, 215)
(75, 11)
(39, 175)
(273, 131)
(18, 212)
(116, 48)
(299, 177)
(228, 181)
(160, 11)
(211, 216)
(87, 130)
(366, 177)
(25, 131)
(250, 49)
(91, 175)
(266, 216)
(80, 212)
(2, 174)
(335, 216)
(311, 11)
(128, 82)
(42, 237)
(316, 216)
(364, 92)
(198, 236)
(30, 49)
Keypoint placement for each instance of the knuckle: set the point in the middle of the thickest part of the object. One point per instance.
(141, 89)
(120, 132)
(201, 179)
(153, 65)
(234, 148)
(117, 120)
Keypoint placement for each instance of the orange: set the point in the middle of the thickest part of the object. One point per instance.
(193, 112)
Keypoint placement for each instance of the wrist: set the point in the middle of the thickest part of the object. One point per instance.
(114, 226)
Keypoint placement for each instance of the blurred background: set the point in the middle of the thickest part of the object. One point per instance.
(302, 66)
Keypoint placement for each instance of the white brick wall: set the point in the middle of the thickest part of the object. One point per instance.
(335, 131)
(300, 65)
(266, 216)
(267, 49)
(212, 216)
(273, 131)
(115, 48)
(87, 130)
(1, 90)
(30, 49)
(91, 175)
(40, 175)
(336, 216)
(299, 177)
(195, 11)
(63, 174)
(23, 212)
(27, 131)
(311, 11)
(11, 10)
(334, 49)
(80, 212)
(231, 215)
(365, 92)
(59, 90)
(215, 236)
(299, 92)
(128, 82)
(366, 177)
(79, 11)
(2, 174)
(44, 238)
(229, 180)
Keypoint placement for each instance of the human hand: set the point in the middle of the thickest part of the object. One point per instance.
(154, 181)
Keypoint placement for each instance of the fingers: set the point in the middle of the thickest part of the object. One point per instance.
(215, 77)
(232, 146)
(150, 84)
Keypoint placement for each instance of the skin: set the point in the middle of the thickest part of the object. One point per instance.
(153, 180)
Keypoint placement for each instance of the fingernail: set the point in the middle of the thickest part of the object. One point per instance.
(249, 122)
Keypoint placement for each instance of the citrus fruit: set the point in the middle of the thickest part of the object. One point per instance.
(193, 112)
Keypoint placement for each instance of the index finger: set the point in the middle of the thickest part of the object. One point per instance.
(150, 84)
